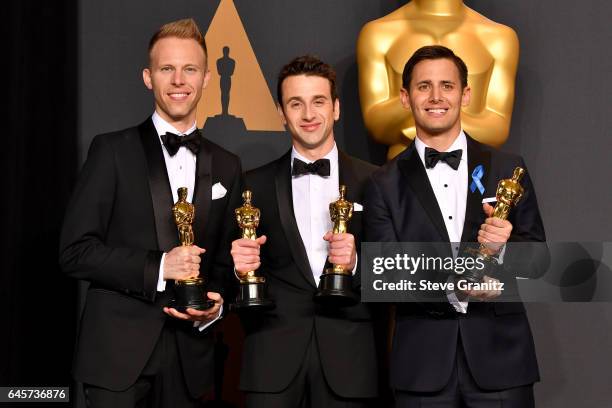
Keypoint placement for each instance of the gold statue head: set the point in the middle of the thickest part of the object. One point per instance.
(247, 196)
(182, 193)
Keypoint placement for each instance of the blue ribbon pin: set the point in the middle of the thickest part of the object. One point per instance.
(476, 177)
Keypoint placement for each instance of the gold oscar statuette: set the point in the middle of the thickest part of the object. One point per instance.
(189, 293)
(252, 291)
(509, 193)
(336, 283)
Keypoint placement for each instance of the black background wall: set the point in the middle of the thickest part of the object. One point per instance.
(75, 71)
(38, 167)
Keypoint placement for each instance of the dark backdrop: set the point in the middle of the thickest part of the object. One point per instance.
(70, 81)
(38, 167)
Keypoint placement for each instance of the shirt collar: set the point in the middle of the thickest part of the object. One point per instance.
(162, 126)
(460, 143)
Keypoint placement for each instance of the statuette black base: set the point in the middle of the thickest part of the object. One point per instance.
(252, 297)
(336, 290)
(191, 296)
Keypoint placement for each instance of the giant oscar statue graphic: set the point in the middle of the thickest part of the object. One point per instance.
(490, 51)
(188, 293)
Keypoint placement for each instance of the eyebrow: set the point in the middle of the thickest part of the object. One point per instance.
(429, 82)
(300, 99)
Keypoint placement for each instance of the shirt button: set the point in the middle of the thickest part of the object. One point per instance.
(446, 185)
(450, 217)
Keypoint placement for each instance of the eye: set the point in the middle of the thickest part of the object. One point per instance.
(191, 69)
(165, 69)
(423, 87)
(448, 87)
(295, 105)
(319, 102)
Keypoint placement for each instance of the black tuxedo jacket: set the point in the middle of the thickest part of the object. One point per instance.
(276, 340)
(400, 206)
(117, 225)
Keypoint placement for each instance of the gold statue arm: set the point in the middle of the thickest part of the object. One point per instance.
(383, 114)
(488, 121)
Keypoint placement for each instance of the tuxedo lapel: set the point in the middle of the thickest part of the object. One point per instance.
(474, 214)
(347, 176)
(416, 182)
(284, 197)
(202, 195)
(159, 185)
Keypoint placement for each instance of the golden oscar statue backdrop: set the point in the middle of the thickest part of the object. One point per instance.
(490, 51)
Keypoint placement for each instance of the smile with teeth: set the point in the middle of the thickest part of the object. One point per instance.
(437, 111)
(178, 95)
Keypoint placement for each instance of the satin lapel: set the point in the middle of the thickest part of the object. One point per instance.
(287, 217)
(415, 177)
(159, 185)
(346, 176)
(474, 215)
(202, 194)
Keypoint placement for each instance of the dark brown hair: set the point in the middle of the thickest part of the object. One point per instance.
(309, 65)
(433, 52)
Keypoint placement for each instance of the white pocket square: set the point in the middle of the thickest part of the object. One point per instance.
(357, 207)
(218, 191)
(489, 200)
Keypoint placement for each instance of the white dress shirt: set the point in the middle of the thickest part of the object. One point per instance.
(181, 170)
(450, 188)
(312, 195)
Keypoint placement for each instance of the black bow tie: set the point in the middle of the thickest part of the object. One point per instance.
(320, 167)
(432, 157)
(174, 142)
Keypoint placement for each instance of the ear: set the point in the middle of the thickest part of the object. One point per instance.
(466, 96)
(146, 77)
(336, 109)
(206, 78)
(281, 113)
(405, 98)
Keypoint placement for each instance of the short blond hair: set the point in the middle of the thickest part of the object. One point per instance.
(186, 28)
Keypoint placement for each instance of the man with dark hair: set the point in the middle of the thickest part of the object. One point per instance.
(302, 354)
(119, 235)
(463, 351)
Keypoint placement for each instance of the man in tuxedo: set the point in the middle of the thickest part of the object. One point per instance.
(303, 354)
(463, 351)
(119, 235)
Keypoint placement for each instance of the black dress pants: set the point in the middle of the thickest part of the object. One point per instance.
(160, 385)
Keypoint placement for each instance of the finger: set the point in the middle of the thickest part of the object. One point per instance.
(498, 222)
(488, 209)
(200, 250)
(328, 236)
(246, 243)
(261, 240)
(175, 313)
(216, 297)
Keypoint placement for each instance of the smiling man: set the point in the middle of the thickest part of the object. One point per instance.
(462, 351)
(301, 354)
(119, 236)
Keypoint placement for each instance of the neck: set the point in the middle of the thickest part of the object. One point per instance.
(181, 124)
(440, 142)
(439, 7)
(315, 153)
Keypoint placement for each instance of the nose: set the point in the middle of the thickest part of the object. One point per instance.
(177, 77)
(308, 113)
(436, 95)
